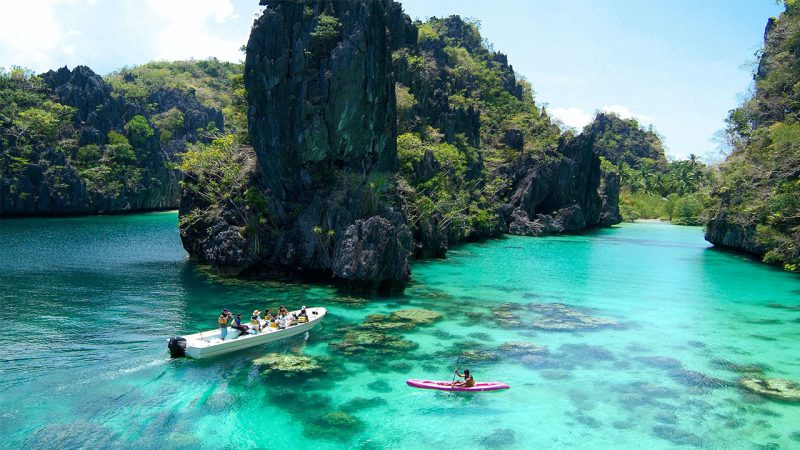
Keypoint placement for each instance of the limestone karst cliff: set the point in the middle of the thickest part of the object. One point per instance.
(756, 205)
(373, 139)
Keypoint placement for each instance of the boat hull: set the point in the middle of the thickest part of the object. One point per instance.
(209, 343)
(447, 386)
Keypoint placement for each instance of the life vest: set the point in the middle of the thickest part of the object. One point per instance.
(222, 321)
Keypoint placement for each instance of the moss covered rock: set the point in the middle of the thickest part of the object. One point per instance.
(774, 388)
(417, 316)
(523, 349)
(288, 364)
(360, 341)
(560, 317)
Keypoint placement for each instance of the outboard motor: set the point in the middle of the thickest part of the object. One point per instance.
(177, 347)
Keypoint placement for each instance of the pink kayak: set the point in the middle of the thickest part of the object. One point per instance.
(446, 386)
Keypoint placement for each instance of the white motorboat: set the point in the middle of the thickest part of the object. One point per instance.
(210, 343)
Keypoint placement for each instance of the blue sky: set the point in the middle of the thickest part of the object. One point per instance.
(677, 64)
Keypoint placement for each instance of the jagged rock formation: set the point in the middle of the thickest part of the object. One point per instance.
(57, 175)
(322, 125)
(328, 83)
(453, 85)
(755, 206)
(556, 194)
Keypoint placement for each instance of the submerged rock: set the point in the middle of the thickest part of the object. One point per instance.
(359, 341)
(774, 388)
(335, 425)
(500, 438)
(404, 319)
(506, 315)
(583, 354)
(481, 336)
(382, 322)
(287, 364)
(697, 379)
(417, 316)
(560, 317)
(361, 403)
(523, 349)
(350, 301)
(661, 362)
(381, 386)
(677, 436)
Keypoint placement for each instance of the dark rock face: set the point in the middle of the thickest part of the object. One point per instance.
(726, 233)
(514, 139)
(313, 110)
(556, 194)
(371, 252)
(609, 196)
(322, 124)
(97, 112)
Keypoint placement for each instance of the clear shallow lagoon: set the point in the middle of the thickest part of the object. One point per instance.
(90, 302)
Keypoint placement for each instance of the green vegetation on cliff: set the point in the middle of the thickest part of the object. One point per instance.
(462, 114)
(756, 206)
(652, 187)
(72, 142)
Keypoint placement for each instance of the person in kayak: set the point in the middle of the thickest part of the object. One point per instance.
(237, 324)
(222, 321)
(468, 380)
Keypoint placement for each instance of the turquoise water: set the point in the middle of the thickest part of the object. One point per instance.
(90, 302)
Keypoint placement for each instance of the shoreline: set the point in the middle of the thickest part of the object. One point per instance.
(66, 215)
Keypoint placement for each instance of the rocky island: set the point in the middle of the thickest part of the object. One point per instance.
(373, 139)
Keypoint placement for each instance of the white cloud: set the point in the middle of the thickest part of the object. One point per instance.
(107, 34)
(578, 117)
(572, 117)
(626, 113)
(29, 33)
(189, 29)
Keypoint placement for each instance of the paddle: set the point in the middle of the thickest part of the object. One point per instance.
(458, 360)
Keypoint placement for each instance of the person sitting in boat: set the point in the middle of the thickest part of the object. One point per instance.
(283, 321)
(255, 320)
(267, 316)
(222, 321)
(237, 325)
(468, 380)
(302, 317)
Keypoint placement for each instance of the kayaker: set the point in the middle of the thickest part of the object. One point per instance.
(237, 324)
(222, 321)
(468, 380)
